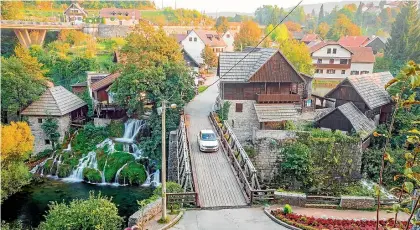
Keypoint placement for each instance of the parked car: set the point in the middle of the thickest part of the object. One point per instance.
(207, 141)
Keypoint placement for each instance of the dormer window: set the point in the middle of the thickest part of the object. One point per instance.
(126, 14)
(113, 13)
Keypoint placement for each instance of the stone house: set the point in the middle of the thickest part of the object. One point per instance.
(75, 14)
(59, 103)
(264, 90)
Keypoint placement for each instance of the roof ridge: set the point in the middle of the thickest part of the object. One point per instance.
(53, 96)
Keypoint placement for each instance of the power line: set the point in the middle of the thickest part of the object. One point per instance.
(254, 48)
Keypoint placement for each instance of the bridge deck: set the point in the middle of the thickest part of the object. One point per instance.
(217, 185)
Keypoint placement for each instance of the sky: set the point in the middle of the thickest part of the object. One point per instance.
(246, 6)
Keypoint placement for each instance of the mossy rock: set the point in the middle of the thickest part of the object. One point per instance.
(114, 162)
(64, 170)
(47, 166)
(92, 175)
(134, 173)
(119, 147)
(116, 128)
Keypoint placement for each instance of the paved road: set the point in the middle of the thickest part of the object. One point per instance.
(243, 218)
(217, 185)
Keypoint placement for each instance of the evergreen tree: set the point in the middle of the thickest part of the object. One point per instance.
(403, 43)
(358, 17)
(321, 14)
(382, 4)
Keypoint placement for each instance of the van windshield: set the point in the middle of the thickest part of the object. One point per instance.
(208, 137)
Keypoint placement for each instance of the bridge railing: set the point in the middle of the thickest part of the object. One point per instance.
(185, 200)
(185, 173)
(245, 170)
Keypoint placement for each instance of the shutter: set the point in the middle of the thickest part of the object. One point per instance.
(239, 107)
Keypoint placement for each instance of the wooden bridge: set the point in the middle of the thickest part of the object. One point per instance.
(33, 33)
(224, 179)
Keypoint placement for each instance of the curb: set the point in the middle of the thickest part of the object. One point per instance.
(288, 226)
(173, 222)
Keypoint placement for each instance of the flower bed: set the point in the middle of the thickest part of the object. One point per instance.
(313, 223)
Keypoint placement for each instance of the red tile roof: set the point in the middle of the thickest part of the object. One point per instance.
(321, 45)
(353, 41)
(179, 37)
(362, 54)
(108, 80)
(210, 38)
(115, 12)
(310, 37)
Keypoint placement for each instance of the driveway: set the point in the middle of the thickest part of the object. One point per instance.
(243, 218)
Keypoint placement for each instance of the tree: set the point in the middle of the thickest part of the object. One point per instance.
(268, 14)
(16, 145)
(358, 16)
(402, 45)
(32, 65)
(382, 4)
(249, 35)
(222, 24)
(321, 14)
(50, 128)
(293, 26)
(323, 29)
(209, 57)
(295, 167)
(97, 212)
(342, 27)
(11, 10)
(280, 34)
(298, 54)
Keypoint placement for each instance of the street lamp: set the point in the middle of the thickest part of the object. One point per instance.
(162, 111)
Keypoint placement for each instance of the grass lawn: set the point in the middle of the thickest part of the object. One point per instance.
(202, 88)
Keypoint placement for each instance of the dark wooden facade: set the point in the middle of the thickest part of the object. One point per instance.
(335, 121)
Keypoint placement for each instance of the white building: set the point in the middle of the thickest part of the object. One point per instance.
(75, 14)
(196, 40)
(116, 16)
(228, 38)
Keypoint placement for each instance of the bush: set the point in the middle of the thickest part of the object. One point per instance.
(114, 162)
(116, 129)
(287, 209)
(134, 172)
(224, 111)
(92, 175)
(202, 88)
(97, 212)
(64, 170)
(171, 187)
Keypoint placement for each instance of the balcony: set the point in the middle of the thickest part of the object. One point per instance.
(278, 98)
(332, 66)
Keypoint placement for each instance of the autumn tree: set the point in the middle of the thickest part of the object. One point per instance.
(298, 54)
(342, 27)
(73, 37)
(209, 57)
(16, 145)
(293, 26)
(279, 34)
(323, 29)
(249, 35)
(222, 24)
(11, 10)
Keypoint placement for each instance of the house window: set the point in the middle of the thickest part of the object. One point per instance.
(47, 142)
(328, 50)
(331, 71)
(120, 23)
(334, 51)
(319, 61)
(190, 39)
(364, 72)
(354, 72)
(331, 61)
(308, 103)
(343, 71)
(239, 107)
(195, 39)
(343, 61)
(227, 35)
(40, 120)
(319, 71)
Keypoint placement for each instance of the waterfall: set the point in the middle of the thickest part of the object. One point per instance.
(131, 128)
(52, 165)
(34, 169)
(156, 179)
(109, 142)
(43, 163)
(88, 160)
(118, 173)
(103, 172)
(148, 179)
(68, 149)
(58, 165)
(137, 153)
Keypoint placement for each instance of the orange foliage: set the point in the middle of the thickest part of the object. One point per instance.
(16, 141)
(351, 7)
(323, 29)
(249, 35)
(44, 5)
(293, 26)
(344, 26)
(73, 37)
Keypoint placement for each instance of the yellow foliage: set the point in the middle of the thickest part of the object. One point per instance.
(293, 26)
(323, 29)
(31, 63)
(16, 141)
(249, 35)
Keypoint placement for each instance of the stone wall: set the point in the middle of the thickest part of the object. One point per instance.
(172, 157)
(357, 202)
(109, 31)
(294, 199)
(101, 122)
(243, 123)
(268, 152)
(35, 123)
(142, 216)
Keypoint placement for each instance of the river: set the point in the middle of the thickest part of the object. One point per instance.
(31, 203)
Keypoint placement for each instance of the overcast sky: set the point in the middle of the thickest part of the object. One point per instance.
(248, 6)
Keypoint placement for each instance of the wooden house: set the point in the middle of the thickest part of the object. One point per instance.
(367, 92)
(75, 14)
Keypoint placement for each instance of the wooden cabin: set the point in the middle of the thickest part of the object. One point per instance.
(367, 92)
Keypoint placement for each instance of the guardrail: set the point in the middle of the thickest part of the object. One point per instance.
(245, 171)
(186, 199)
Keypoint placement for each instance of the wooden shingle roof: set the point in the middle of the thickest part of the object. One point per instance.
(275, 112)
(361, 124)
(56, 101)
(107, 81)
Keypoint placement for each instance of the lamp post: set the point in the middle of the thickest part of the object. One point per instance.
(173, 106)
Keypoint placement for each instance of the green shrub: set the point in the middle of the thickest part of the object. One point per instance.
(134, 172)
(287, 209)
(97, 212)
(289, 125)
(64, 170)
(119, 147)
(114, 162)
(92, 175)
(202, 88)
(224, 111)
(171, 187)
(116, 129)
(250, 151)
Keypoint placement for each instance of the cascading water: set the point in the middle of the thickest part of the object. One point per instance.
(148, 179)
(103, 172)
(132, 129)
(156, 179)
(68, 149)
(117, 175)
(88, 161)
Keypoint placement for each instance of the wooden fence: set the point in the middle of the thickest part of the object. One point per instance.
(244, 169)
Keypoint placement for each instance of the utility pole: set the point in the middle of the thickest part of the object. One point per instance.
(163, 161)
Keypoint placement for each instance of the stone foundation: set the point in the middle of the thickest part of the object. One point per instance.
(142, 216)
(294, 199)
(101, 122)
(110, 31)
(357, 202)
(243, 123)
